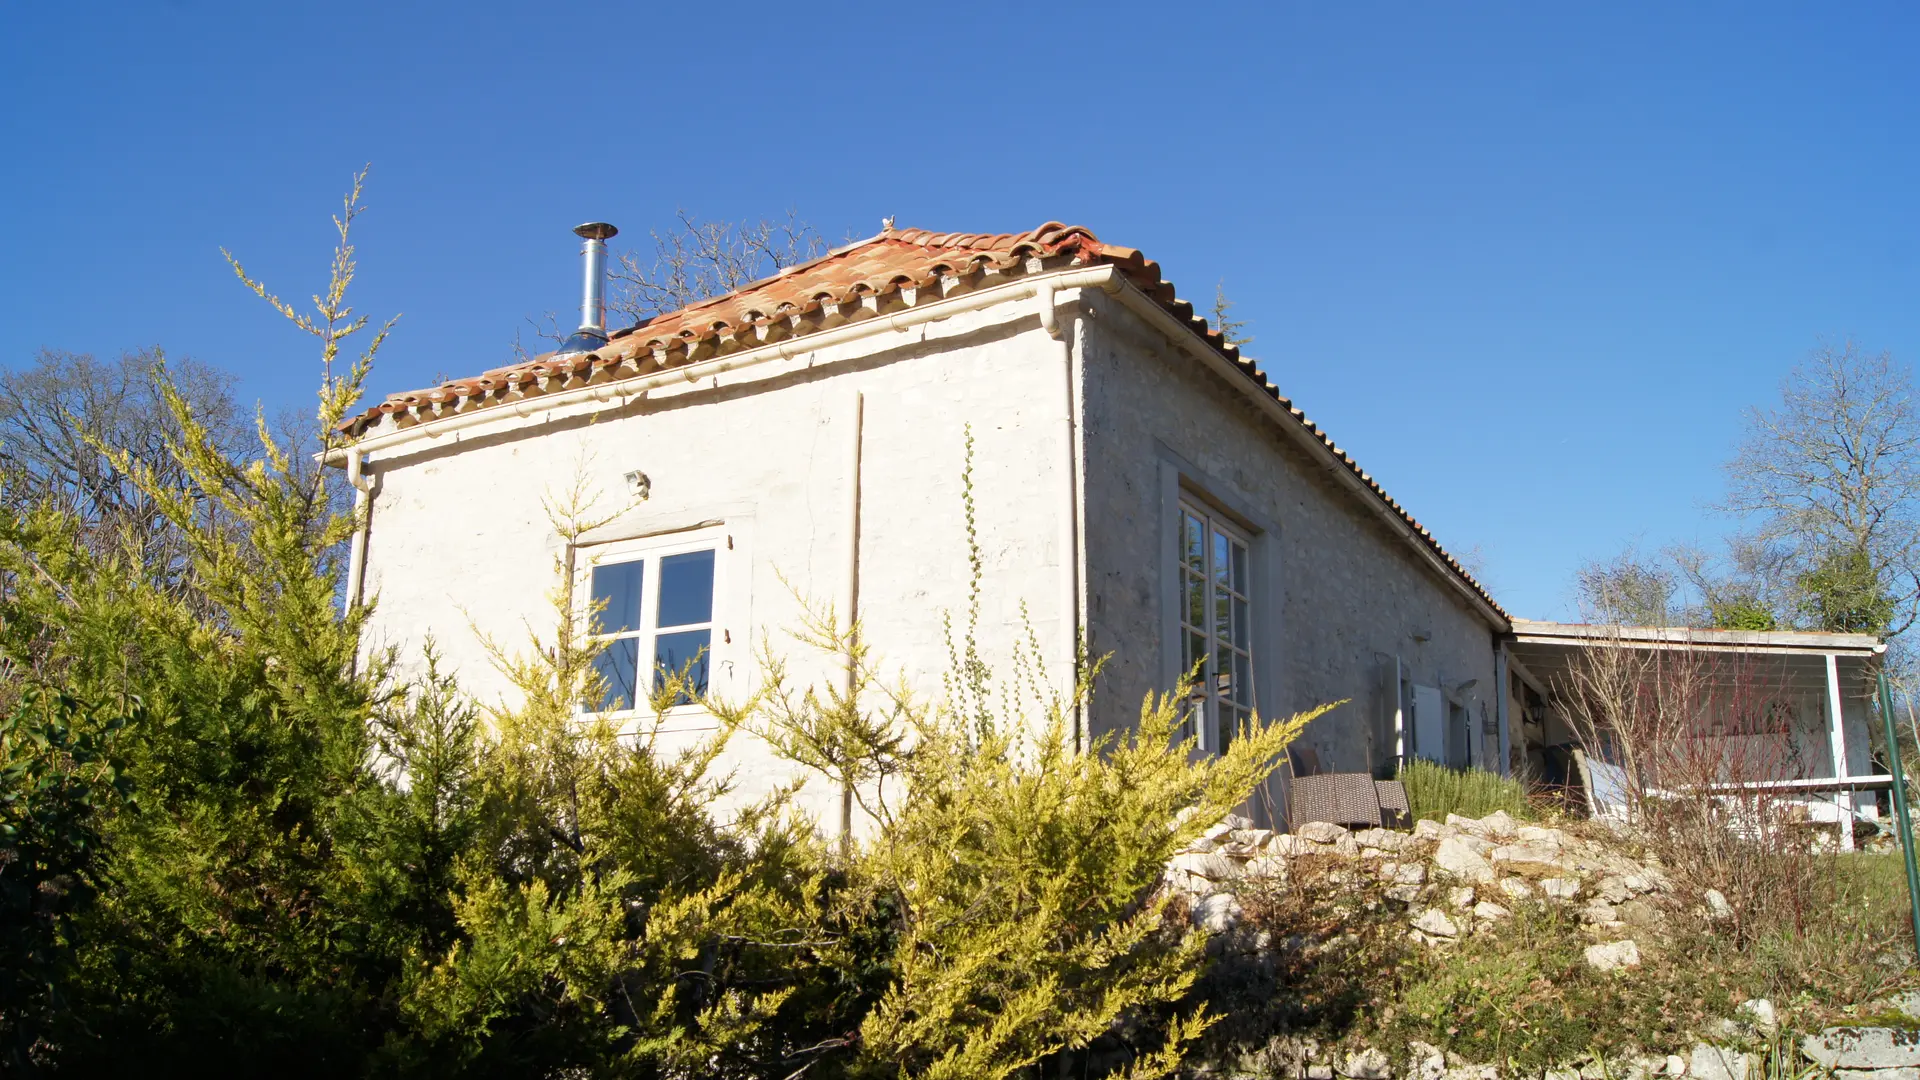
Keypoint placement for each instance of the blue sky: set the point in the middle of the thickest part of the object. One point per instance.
(1528, 262)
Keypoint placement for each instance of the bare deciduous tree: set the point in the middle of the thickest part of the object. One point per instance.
(1832, 480)
(695, 260)
(1689, 744)
(58, 412)
(1627, 590)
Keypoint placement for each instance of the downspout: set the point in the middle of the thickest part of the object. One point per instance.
(850, 601)
(1069, 539)
(362, 525)
(1502, 703)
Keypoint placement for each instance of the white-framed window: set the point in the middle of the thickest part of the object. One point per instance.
(1216, 624)
(654, 607)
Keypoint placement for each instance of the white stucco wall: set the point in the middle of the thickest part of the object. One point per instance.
(1344, 596)
(461, 544)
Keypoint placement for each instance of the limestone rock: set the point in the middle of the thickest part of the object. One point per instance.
(1205, 864)
(1218, 913)
(1876, 1074)
(1319, 1072)
(1490, 912)
(1399, 873)
(1640, 882)
(1320, 832)
(1461, 897)
(1499, 823)
(1428, 1062)
(1717, 906)
(1529, 860)
(1613, 889)
(1864, 1048)
(1760, 1012)
(1267, 866)
(1718, 1063)
(1289, 844)
(1599, 911)
(1516, 889)
(1383, 839)
(1456, 857)
(1907, 1004)
(1675, 1065)
(1435, 922)
(1614, 955)
(1560, 888)
(1405, 894)
(1539, 834)
(1368, 1064)
(1429, 829)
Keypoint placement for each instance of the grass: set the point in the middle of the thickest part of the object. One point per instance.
(1434, 791)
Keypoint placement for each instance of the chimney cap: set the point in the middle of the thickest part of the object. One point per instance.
(596, 230)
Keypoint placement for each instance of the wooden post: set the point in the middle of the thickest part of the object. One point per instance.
(1837, 738)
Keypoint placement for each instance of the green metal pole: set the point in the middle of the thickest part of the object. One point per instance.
(1900, 807)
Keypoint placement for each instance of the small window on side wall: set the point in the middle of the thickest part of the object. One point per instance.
(652, 617)
(1216, 626)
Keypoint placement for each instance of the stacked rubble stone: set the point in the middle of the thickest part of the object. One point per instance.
(1453, 878)
(1463, 877)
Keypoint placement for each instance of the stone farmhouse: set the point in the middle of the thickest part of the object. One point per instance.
(1136, 483)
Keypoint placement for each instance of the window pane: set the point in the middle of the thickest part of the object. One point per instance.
(1239, 568)
(1242, 679)
(1195, 543)
(1240, 635)
(616, 591)
(617, 664)
(1196, 587)
(1196, 649)
(1223, 673)
(685, 651)
(686, 589)
(1225, 736)
(1220, 557)
(1222, 615)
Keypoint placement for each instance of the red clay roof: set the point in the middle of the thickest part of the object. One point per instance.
(855, 282)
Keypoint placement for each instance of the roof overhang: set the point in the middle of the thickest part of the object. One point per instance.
(1789, 659)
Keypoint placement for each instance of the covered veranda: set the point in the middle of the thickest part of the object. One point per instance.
(1806, 713)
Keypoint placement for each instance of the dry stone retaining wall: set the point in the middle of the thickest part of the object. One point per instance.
(1458, 878)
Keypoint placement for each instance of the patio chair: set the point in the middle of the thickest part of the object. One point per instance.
(1349, 799)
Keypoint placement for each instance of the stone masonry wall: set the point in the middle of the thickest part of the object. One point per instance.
(1351, 595)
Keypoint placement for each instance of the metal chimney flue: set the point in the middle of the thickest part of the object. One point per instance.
(593, 300)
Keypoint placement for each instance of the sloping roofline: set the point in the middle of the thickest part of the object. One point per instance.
(1536, 632)
(884, 274)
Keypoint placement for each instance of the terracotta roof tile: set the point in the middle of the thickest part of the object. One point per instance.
(845, 285)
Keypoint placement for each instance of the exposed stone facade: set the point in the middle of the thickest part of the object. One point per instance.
(1346, 596)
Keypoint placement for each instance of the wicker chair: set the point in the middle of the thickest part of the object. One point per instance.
(1395, 811)
(1349, 799)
